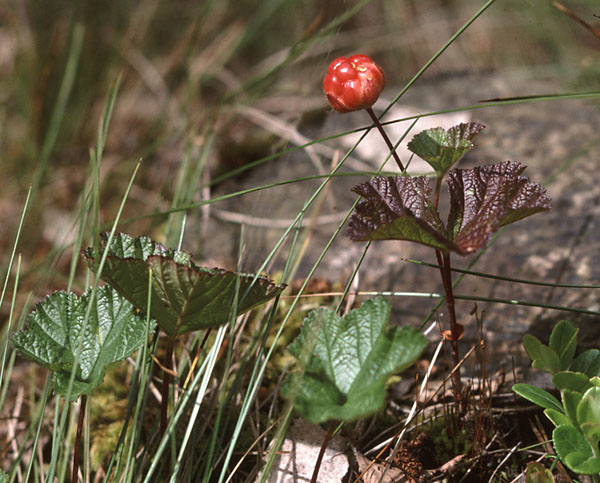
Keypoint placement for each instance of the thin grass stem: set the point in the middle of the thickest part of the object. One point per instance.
(504, 278)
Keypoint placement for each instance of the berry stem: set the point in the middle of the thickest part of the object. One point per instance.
(454, 329)
(443, 260)
(326, 440)
(385, 138)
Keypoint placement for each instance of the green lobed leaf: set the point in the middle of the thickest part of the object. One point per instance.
(588, 362)
(397, 208)
(563, 340)
(441, 148)
(574, 451)
(538, 396)
(346, 361)
(544, 358)
(485, 198)
(55, 331)
(185, 297)
(588, 415)
(575, 381)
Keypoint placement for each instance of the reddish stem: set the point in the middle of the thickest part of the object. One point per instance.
(436, 196)
(443, 260)
(385, 138)
(77, 450)
(326, 441)
(455, 332)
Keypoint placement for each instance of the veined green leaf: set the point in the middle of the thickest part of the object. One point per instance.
(574, 451)
(57, 328)
(563, 341)
(345, 361)
(575, 381)
(588, 415)
(441, 148)
(570, 401)
(543, 357)
(185, 297)
(588, 362)
(557, 417)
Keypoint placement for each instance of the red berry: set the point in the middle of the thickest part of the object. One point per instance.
(353, 83)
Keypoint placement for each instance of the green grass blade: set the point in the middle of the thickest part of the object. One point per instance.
(58, 113)
(506, 279)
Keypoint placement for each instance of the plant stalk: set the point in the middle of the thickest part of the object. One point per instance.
(387, 140)
(443, 260)
(326, 441)
(77, 449)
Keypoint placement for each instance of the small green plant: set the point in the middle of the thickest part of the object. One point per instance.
(84, 335)
(576, 416)
(77, 338)
(538, 473)
(345, 362)
(184, 297)
(482, 199)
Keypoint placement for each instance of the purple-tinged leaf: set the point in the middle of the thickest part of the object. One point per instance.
(397, 208)
(441, 148)
(485, 198)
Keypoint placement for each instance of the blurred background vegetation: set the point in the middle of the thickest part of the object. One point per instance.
(187, 66)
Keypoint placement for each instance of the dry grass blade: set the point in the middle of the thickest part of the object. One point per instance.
(576, 17)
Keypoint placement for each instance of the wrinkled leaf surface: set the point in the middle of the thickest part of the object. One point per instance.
(55, 330)
(485, 198)
(441, 148)
(482, 200)
(346, 361)
(185, 297)
(397, 208)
